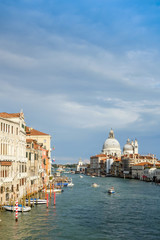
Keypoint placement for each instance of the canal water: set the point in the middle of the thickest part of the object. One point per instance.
(86, 213)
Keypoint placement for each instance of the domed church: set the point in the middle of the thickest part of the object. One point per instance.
(130, 147)
(111, 146)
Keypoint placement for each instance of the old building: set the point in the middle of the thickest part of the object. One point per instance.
(129, 160)
(97, 164)
(138, 169)
(13, 161)
(34, 166)
(41, 138)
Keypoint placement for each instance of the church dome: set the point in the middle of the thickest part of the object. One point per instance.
(111, 146)
(111, 143)
(128, 148)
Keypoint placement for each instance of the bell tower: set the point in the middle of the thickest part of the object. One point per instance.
(135, 146)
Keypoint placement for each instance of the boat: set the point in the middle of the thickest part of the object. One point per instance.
(36, 201)
(70, 184)
(81, 176)
(95, 185)
(111, 190)
(20, 208)
(56, 190)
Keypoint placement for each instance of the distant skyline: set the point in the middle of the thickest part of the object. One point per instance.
(79, 68)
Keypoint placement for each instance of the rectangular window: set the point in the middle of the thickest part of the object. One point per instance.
(29, 156)
(2, 189)
(12, 129)
(26, 154)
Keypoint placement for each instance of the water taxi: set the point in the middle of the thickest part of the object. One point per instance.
(70, 183)
(95, 185)
(111, 190)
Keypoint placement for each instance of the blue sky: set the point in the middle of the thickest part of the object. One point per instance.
(79, 68)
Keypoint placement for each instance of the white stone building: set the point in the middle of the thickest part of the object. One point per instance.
(79, 165)
(13, 161)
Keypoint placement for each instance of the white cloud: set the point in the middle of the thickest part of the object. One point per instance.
(61, 110)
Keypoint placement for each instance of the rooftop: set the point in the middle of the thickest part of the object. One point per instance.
(34, 132)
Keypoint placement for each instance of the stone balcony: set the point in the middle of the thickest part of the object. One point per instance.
(7, 158)
(6, 180)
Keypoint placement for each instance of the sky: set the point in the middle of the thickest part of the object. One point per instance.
(79, 68)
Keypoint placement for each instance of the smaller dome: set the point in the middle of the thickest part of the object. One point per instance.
(127, 147)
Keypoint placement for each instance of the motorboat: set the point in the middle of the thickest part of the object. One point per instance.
(81, 176)
(20, 208)
(70, 184)
(111, 190)
(95, 185)
(58, 190)
(36, 201)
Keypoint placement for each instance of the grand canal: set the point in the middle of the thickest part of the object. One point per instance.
(83, 212)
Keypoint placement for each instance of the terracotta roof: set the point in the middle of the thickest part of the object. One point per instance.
(101, 155)
(103, 160)
(29, 140)
(9, 115)
(142, 164)
(34, 132)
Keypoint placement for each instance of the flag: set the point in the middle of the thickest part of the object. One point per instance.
(53, 147)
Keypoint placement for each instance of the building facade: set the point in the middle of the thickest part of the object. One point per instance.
(13, 161)
(41, 138)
